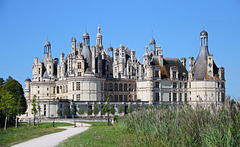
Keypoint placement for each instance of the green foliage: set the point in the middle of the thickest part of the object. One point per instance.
(89, 111)
(80, 111)
(73, 111)
(1, 81)
(16, 90)
(34, 105)
(8, 104)
(129, 109)
(95, 110)
(65, 111)
(120, 109)
(105, 109)
(59, 112)
(174, 126)
(138, 108)
(112, 110)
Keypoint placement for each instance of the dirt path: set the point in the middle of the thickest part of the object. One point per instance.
(54, 139)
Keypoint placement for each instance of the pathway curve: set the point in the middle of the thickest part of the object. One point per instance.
(54, 139)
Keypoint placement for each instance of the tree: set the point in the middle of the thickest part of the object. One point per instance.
(73, 111)
(65, 111)
(1, 81)
(130, 109)
(89, 111)
(7, 106)
(120, 109)
(59, 112)
(105, 109)
(95, 110)
(138, 108)
(34, 108)
(38, 108)
(80, 111)
(16, 90)
(112, 110)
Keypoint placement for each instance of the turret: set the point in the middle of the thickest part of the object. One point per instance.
(73, 43)
(99, 37)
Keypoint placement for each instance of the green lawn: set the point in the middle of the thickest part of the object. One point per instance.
(100, 135)
(25, 132)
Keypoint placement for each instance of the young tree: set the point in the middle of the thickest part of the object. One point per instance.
(112, 110)
(130, 109)
(105, 109)
(59, 112)
(89, 111)
(120, 109)
(38, 109)
(34, 108)
(95, 111)
(65, 111)
(80, 112)
(7, 106)
(73, 112)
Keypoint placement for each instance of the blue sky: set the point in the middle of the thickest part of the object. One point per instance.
(175, 25)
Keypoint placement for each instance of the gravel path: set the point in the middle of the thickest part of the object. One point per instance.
(54, 139)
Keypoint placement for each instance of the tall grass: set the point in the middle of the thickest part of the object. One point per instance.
(184, 126)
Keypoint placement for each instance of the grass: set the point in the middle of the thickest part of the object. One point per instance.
(175, 126)
(100, 134)
(25, 132)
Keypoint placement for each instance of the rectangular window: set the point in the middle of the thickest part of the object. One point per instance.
(57, 89)
(79, 65)
(38, 92)
(125, 98)
(44, 110)
(78, 97)
(157, 97)
(120, 98)
(174, 85)
(73, 97)
(72, 85)
(78, 86)
(185, 97)
(53, 90)
(79, 74)
(47, 94)
(174, 97)
(39, 71)
(156, 84)
(180, 85)
(185, 85)
(170, 97)
(157, 74)
(180, 97)
(174, 75)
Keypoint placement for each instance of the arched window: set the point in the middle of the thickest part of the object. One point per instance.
(110, 87)
(125, 87)
(115, 87)
(120, 87)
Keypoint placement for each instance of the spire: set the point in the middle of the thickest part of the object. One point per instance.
(99, 29)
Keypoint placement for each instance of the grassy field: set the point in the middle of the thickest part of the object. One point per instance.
(25, 132)
(175, 126)
(100, 134)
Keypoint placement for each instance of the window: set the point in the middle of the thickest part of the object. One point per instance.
(115, 98)
(125, 98)
(57, 89)
(156, 84)
(115, 69)
(49, 67)
(47, 94)
(78, 97)
(79, 74)
(185, 97)
(125, 87)
(79, 65)
(157, 74)
(157, 97)
(115, 87)
(180, 97)
(218, 96)
(170, 97)
(174, 75)
(185, 85)
(120, 87)
(66, 88)
(60, 105)
(174, 85)
(72, 85)
(39, 71)
(180, 85)
(78, 86)
(53, 90)
(223, 85)
(73, 97)
(110, 87)
(120, 98)
(38, 92)
(47, 88)
(44, 110)
(174, 97)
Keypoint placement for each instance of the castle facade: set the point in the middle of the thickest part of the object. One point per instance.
(94, 76)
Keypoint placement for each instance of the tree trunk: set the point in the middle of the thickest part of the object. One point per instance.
(5, 125)
(16, 122)
(34, 120)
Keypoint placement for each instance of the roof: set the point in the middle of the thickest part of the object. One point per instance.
(203, 33)
(47, 43)
(152, 41)
(28, 79)
(85, 34)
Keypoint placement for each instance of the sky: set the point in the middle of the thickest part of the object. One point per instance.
(175, 24)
